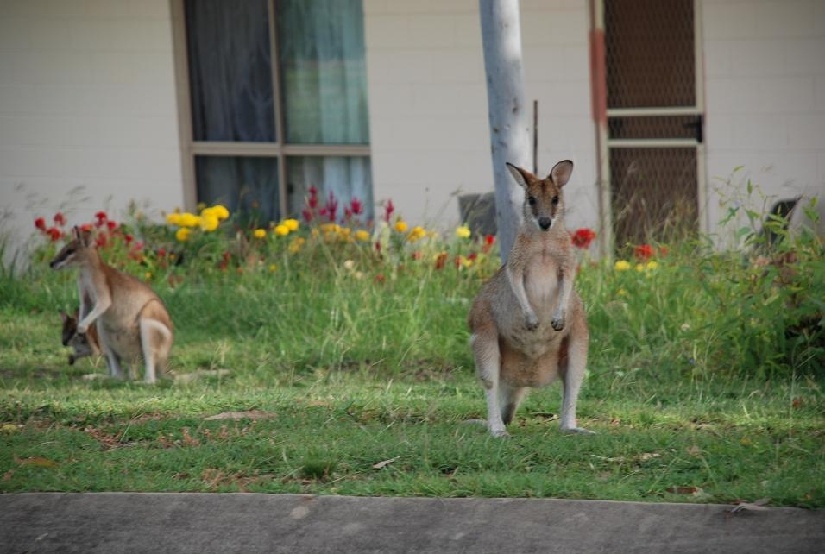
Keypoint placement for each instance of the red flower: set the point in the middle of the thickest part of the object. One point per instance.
(441, 260)
(101, 241)
(111, 225)
(312, 201)
(86, 227)
(59, 219)
(40, 223)
(127, 239)
(582, 238)
(54, 233)
(356, 207)
(389, 208)
(307, 215)
(643, 252)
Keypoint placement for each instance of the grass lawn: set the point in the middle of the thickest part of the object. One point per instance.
(356, 378)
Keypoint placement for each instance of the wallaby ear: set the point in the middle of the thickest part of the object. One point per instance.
(519, 174)
(560, 173)
(84, 236)
(63, 316)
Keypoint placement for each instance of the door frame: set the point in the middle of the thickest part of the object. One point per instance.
(601, 113)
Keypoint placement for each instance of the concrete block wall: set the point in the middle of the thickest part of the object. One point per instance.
(428, 102)
(88, 116)
(765, 90)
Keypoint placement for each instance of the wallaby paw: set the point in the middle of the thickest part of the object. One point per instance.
(577, 431)
(557, 323)
(81, 329)
(531, 322)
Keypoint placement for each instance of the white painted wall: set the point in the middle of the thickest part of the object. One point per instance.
(428, 102)
(88, 116)
(765, 90)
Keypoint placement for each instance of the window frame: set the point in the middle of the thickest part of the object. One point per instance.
(279, 149)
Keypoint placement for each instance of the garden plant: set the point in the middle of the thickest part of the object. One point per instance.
(342, 342)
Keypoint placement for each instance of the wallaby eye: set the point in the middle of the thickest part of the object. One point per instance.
(531, 200)
(554, 200)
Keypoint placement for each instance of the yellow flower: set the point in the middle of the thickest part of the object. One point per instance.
(296, 244)
(417, 232)
(281, 230)
(209, 222)
(201, 206)
(217, 210)
(189, 220)
(401, 226)
(259, 233)
(651, 265)
(173, 218)
(291, 224)
(463, 232)
(362, 235)
(330, 228)
(621, 265)
(182, 234)
(640, 267)
(273, 268)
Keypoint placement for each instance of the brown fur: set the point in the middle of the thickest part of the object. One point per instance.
(528, 324)
(86, 344)
(131, 320)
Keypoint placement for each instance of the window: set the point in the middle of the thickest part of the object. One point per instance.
(274, 101)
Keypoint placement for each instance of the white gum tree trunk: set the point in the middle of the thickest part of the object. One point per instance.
(507, 111)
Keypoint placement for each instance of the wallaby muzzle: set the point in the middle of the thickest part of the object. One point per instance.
(545, 223)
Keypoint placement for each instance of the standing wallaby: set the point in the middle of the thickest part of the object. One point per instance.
(528, 324)
(132, 321)
(86, 344)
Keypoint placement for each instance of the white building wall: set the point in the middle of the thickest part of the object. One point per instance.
(765, 90)
(428, 102)
(88, 115)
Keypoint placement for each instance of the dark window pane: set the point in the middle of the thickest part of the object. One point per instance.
(323, 71)
(247, 185)
(230, 70)
(346, 178)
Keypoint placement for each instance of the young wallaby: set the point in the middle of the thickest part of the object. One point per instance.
(86, 344)
(528, 324)
(132, 321)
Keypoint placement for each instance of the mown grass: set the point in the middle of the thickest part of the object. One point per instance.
(357, 379)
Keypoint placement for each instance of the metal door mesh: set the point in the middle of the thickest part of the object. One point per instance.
(651, 64)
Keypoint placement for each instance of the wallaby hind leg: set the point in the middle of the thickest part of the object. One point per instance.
(112, 359)
(510, 397)
(488, 364)
(572, 374)
(155, 340)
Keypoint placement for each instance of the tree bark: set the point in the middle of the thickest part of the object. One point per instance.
(509, 131)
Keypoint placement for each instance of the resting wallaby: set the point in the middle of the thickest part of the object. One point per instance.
(528, 324)
(132, 321)
(87, 344)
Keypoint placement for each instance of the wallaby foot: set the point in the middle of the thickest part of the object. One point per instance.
(576, 431)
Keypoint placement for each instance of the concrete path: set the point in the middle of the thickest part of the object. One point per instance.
(206, 523)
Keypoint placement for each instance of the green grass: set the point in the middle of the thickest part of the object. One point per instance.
(695, 390)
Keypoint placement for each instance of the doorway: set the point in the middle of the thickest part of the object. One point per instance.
(651, 124)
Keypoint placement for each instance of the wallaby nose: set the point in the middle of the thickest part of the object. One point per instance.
(545, 222)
